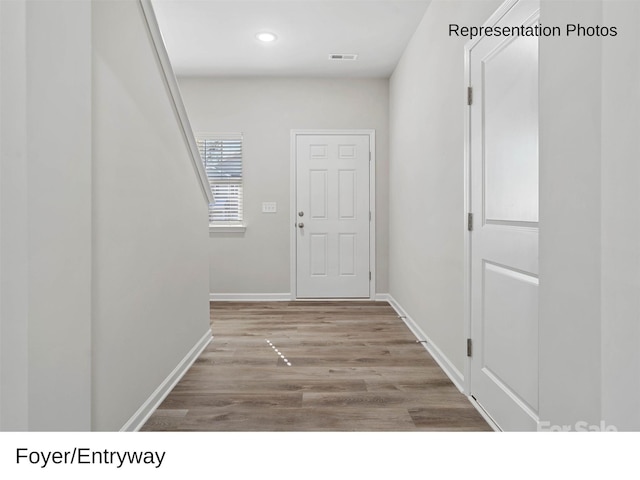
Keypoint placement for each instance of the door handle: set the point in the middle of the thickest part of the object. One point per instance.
(301, 225)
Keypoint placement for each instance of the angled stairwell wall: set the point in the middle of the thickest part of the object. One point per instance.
(103, 227)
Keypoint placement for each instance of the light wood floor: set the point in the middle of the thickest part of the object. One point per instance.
(355, 366)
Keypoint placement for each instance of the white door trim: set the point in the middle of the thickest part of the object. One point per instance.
(492, 21)
(372, 203)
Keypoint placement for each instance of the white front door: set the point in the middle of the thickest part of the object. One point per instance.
(504, 239)
(332, 215)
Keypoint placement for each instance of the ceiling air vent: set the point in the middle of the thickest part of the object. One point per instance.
(343, 56)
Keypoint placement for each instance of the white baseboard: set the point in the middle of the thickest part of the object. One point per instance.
(441, 359)
(484, 414)
(139, 418)
(249, 297)
(279, 297)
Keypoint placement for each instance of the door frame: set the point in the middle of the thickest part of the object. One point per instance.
(293, 200)
(502, 10)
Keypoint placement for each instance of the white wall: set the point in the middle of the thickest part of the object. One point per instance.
(265, 110)
(46, 216)
(13, 219)
(103, 225)
(621, 218)
(590, 218)
(426, 182)
(150, 227)
(59, 209)
(570, 217)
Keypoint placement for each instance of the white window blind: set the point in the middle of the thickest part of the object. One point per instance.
(222, 157)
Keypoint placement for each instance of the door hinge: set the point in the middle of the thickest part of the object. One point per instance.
(369, 155)
(369, 276)
(470, 221)
(469, 347)
(369, 216)
(469, 95)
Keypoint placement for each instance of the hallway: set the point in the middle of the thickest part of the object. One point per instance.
(355, 366)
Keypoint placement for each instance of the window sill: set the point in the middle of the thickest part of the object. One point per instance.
(227, 228)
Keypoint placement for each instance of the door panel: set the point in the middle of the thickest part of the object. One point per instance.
(332, 237)
(511, 330)
(347, 253)
(318, 254)
(511, 135)
(504, 241)
(347, 194)
(318, 194)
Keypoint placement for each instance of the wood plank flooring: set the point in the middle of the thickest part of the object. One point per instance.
(354, 366)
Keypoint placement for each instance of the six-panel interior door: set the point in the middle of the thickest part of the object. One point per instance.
(504, 240)
(332, 216)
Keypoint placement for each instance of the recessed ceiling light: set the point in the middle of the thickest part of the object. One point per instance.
(266, 37)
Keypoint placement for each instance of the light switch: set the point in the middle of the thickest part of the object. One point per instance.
(269, 207)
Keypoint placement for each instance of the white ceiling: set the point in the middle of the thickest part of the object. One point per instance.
(217, 37)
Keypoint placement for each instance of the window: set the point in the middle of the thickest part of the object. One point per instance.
(222, 157)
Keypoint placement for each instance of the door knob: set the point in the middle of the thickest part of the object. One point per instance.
(301, 225)
(301, 214)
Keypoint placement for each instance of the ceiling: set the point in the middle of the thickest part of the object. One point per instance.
(218, 37)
